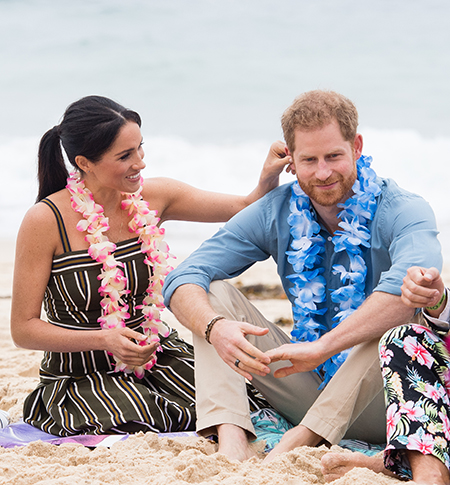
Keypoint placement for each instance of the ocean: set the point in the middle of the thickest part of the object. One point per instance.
(211, 80)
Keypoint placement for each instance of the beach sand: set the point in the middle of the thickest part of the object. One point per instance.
(143, 459)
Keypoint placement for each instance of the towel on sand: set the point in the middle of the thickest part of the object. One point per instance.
(269, 426)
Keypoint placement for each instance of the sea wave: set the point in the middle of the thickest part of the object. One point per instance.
(416, 163)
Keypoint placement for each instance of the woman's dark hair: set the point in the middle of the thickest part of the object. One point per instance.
(89, 127)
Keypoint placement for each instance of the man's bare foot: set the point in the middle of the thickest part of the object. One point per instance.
(233, 442)
(336, 465)
(298, 436)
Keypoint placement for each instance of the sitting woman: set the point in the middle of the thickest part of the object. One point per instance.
(110, 364)
(415, 364)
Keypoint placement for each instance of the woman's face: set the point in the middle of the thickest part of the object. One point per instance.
(120, 167)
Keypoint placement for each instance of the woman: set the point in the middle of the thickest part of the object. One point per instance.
(93, 252)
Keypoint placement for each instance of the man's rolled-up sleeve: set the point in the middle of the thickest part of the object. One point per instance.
(227, 254)
(407, 227)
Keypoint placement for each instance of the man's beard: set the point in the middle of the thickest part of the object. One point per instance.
(333, 196)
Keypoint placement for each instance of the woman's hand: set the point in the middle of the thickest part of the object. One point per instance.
(275, 162)
(123, 343)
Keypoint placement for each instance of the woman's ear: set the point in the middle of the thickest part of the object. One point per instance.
(83, 163)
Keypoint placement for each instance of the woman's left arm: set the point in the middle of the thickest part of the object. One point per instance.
(179, 201)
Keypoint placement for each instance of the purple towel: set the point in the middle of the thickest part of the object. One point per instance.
(20, 434)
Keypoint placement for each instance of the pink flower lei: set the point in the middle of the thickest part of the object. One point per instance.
(113, 281)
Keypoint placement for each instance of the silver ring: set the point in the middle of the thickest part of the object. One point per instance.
(236, 363)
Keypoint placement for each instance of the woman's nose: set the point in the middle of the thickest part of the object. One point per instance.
(139, 163)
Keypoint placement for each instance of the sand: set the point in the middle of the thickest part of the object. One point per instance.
(143, 458)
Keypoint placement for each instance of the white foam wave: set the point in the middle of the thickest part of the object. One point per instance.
(419, 164)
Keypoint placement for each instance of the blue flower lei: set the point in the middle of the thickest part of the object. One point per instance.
(307, 246)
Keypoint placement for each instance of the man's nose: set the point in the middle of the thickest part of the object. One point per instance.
(323, 170)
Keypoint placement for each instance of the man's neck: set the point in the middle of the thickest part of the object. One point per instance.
(328, 216)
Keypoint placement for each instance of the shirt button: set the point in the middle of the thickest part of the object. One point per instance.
(329, 238)
(336, 308)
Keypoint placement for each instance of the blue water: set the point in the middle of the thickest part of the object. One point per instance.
(211, 80)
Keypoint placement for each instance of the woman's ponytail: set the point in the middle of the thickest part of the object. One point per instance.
(52, 171)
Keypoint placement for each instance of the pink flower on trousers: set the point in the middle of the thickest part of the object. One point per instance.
(422, 442)
(417, 351)
(393, 416)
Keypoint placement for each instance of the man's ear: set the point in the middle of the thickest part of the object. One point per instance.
(83, 163)
(290, 167)
(358, 145)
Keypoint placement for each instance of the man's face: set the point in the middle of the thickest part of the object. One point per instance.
(325, 163)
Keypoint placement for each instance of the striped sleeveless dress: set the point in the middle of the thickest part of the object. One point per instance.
(79, 392)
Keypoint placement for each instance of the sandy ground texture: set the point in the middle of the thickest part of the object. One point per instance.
(145, 459)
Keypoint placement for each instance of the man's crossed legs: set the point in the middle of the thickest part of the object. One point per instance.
(350, 406)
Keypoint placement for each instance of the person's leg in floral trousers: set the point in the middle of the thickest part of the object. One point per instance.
(415, 365)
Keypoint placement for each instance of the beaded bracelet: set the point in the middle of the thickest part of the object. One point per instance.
(211, 325)
(439, 303)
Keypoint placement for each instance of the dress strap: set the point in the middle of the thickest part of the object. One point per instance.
(61, 226)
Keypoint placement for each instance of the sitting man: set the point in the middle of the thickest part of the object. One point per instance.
(342, 239)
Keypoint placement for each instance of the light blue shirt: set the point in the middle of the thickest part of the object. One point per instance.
(403, 234)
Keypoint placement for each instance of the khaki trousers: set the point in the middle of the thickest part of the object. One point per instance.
(350, 406)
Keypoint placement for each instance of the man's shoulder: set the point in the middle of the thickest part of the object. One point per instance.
(398, 207)
(281, 192)
(271, 203)
(391, 191)
(263, 212)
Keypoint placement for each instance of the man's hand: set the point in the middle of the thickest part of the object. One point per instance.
(228, 338)
(304, 357)
(422, 287)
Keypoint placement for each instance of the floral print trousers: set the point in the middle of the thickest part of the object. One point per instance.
(415, 365)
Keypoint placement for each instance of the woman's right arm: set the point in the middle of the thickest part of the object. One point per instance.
(36, 244)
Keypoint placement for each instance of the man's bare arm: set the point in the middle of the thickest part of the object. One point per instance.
(379, 313)
(190, 304)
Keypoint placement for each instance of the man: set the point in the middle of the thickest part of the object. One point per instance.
(342, 240)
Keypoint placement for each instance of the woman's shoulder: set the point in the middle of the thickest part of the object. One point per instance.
(40, 218)
(160, 185)
(160, 191)
(38, 214)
